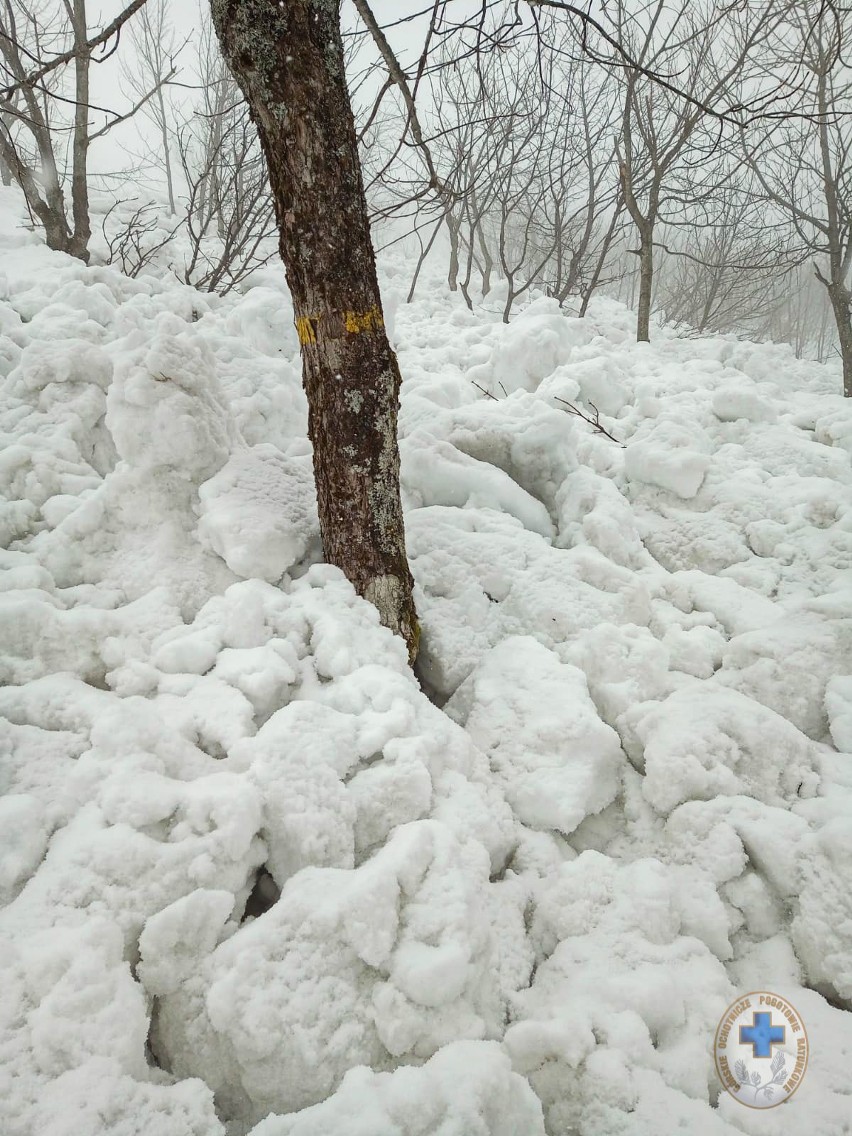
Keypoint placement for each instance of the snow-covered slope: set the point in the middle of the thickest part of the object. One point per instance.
(515, 896)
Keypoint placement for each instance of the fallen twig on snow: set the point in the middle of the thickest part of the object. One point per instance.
(595, 422)
(487, 393)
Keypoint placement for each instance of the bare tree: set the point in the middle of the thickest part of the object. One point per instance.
(666, 146)
(32, 129)
(803, 162)
(228, 211)
(136, 237)
(724, 262)
(802, 316)
(524, 144)
(583, 203)
(154, 55)
(26, 130)
(288, 60)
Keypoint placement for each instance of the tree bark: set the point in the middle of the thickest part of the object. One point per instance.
(79, 244)
(453, 227)
(288, 61)
(167, 160)
(646, 286)
(487, 262)
(841, 298)
(644, 223)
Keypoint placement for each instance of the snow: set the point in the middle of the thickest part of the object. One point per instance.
(555, 760)
(258, 512)
(670, 456)
(702, 744)
(491, 1100)
(838, 707)
(258, 877)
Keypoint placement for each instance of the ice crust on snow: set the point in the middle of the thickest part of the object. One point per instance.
(254, 879)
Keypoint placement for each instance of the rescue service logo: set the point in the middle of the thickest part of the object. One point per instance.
(761, 1050)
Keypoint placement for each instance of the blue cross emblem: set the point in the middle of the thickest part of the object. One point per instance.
(762, 1035)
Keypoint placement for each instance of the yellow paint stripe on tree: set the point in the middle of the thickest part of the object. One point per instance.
(305, 330)
(356, 322)
(338, 323)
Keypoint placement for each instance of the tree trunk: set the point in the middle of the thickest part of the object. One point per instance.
(453, 271)
(511, 296)
(288, 60)
(167, 160)
(424, 252)
(487, 262)
(52, 219)
(646, 285)
(841, 297)
(79, 244)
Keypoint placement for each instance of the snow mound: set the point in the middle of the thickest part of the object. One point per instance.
(532, 715)
(530, 348)
(669, 456)
(252, 873)
(626, 995)
(259, 512)
(436, 473)
(165, 409)
(394, 958)
(838, 707)
(467, 1089)
(717, 743)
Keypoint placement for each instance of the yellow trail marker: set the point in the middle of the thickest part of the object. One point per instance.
(339, 323)
(305, 330)
(356, 322)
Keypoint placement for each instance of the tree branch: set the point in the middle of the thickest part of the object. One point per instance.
(88, 47)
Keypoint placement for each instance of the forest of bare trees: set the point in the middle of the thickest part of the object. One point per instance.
(688, 157)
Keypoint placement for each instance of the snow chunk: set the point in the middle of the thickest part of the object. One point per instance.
(24, 833)
(467, 1089)
(566, 591)
(669, 456)
(733, 402)
(532, 443)
(787, 665)
(98, 1097)
(295, 761)
(165, 408)
(530, 348)
(69, 997)
(706, 741)
(835, 428)
(532, 715)
(838, 706)
(736, 608)
(602, 383)
(436, 473)
(387, 794)
(592, 510)
(626, 985)
(259, 512)
(344, 955)
(623, 665)
(822, 928)
(173, 940)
